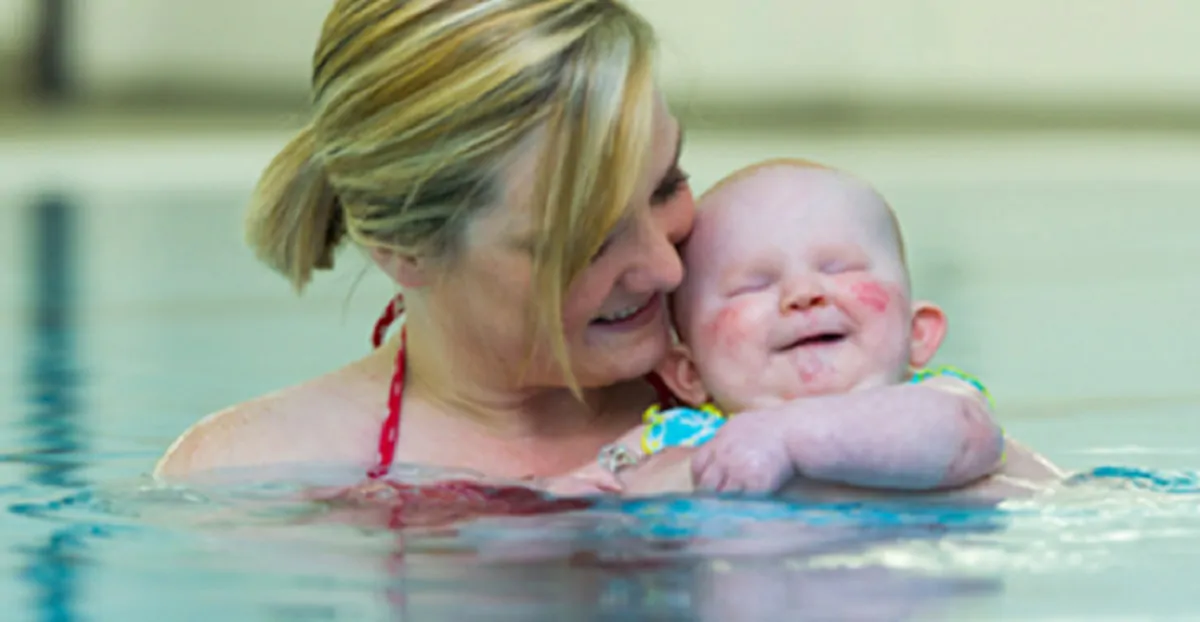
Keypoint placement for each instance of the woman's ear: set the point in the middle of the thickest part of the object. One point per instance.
(409, 271)
(679, 373)
(927, 332)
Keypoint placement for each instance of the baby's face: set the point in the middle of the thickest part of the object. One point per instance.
(795, 286)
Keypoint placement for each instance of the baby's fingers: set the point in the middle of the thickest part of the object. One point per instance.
(708, 474)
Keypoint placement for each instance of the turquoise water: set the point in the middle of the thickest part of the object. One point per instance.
(130, 307)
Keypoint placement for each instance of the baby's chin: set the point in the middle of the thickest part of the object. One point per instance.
(830, 386)
(874, 381)
(762, 401)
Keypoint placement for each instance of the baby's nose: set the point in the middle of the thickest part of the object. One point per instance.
(803, 293)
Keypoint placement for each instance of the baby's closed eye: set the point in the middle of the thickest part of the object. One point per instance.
(749, 284)
(842, 266)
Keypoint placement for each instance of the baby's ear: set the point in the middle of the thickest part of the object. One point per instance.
(928, 331)
(678, 372)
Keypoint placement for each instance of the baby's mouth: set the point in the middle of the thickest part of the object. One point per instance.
(816, 339)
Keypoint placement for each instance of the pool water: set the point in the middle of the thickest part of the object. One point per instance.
(129, 307)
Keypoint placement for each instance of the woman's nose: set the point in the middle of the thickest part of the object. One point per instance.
(662, 267)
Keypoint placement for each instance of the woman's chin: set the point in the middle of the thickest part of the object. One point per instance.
(608, 363)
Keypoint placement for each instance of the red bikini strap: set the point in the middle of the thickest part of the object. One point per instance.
(390, 430)
(393, 310)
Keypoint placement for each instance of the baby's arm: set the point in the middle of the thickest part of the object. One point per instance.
(937, 434)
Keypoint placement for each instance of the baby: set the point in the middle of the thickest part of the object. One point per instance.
(797, 288)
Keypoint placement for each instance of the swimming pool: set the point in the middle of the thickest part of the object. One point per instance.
(130, 307)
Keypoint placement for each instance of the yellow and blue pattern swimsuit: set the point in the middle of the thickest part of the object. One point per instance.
(684, 426)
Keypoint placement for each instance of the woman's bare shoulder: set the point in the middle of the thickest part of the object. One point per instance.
(307, 423)
(1025, 463)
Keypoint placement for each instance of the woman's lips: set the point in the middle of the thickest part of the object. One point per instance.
(631, 318)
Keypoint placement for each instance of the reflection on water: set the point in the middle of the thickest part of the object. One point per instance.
(684, 559)
(261, 554)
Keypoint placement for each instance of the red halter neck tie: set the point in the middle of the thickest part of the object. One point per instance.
(390, 432)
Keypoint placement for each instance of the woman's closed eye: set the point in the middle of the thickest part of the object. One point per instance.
(604, 246)
(671, 185)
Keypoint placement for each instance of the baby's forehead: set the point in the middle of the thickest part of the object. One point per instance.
(791, 188)
(792, 201)
(773, 211)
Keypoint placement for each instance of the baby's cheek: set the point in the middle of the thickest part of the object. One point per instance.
(872, 295)
(884, 313)
(725, 350)
(729, 330)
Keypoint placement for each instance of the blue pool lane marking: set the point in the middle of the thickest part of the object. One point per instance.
(52, 413)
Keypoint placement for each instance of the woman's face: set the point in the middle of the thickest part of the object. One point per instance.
(614, 315)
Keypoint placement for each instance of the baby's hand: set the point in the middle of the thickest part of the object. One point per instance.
(748, 454)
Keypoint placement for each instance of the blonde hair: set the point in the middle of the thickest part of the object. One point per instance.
(419, 103)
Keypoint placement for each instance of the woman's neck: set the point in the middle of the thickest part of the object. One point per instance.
(458, 383)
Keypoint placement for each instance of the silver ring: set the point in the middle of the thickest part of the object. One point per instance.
(614, 458)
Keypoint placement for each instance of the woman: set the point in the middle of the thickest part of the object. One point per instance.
(512, 166)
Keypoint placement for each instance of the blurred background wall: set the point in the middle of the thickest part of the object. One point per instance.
(1082, 53)
(1042, 155)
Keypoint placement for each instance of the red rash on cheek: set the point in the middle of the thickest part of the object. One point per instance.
(872, 295)
(726, 328)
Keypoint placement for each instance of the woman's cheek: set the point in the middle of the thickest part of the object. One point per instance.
(585, 298)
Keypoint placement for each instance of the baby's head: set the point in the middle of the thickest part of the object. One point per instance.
(796, 285)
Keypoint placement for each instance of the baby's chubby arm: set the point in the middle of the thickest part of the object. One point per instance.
(935, 435)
